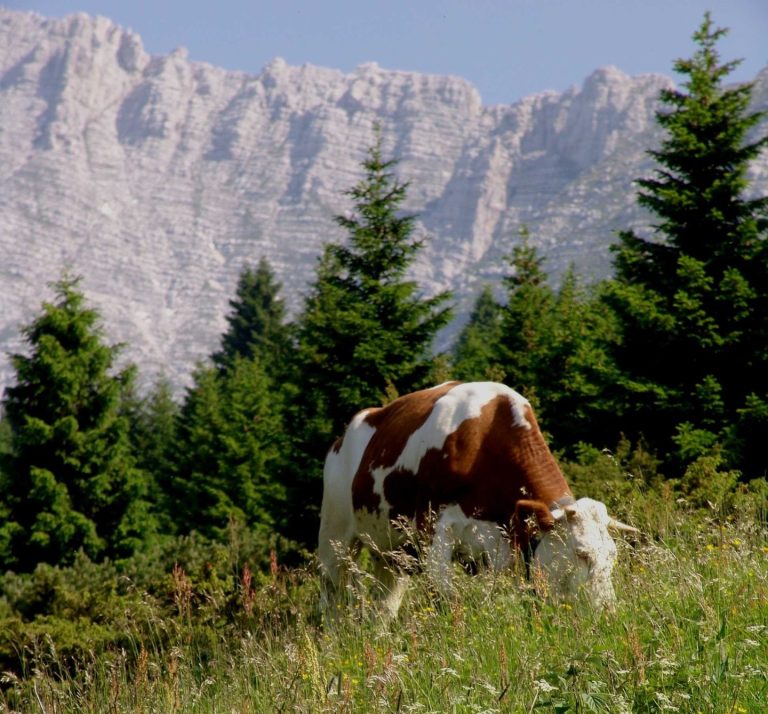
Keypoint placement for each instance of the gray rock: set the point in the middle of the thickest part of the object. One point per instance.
(157, 178)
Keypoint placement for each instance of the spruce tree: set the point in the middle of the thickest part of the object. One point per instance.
(576, 377)
(256, 323)
(229, 439)
(692, 299)
(366, 331)
(527, 321)
(229, 450)
(153, 419)
(554, 348)
(70, 482)
(475, 353)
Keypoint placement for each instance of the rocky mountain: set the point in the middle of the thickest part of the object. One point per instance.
(157, 178)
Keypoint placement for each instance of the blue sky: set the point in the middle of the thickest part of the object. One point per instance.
(506, 48)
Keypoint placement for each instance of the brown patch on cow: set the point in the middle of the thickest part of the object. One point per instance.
(401, 417)
(393, 426)
(337, 445)
(486, 466)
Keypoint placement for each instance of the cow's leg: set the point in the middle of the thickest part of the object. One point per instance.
(440, 552)
(334, 559)
(485, 545)
(337, 547)
(392, 583)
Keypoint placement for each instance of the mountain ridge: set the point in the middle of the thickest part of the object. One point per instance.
(157, 178)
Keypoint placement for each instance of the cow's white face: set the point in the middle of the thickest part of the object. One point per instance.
(578, 554)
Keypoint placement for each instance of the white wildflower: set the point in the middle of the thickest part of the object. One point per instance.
(665, 703)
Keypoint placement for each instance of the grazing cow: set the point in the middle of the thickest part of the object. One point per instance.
(465, 464)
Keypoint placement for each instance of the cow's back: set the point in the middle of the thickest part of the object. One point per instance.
(476, 445)
(395, 440)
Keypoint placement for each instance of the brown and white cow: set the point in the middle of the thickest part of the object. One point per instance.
(467, 465)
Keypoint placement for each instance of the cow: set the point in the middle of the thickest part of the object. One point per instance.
(464, 465)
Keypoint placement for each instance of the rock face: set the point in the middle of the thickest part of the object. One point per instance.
(157, 178)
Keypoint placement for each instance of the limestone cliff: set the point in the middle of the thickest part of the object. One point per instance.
(156, 178)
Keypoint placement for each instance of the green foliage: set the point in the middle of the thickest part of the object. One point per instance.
(474, 356)
(705, 484)
(69, 481)
(188, 627)
(230, 447)
(153, 420)
(745, 435)
(257, 328)
(692, 303)
(553, 346)
(365, 329)
(619, 476)
(528, 318)
(365, 333)
(177, 593)
(6, 439)
(229, 438)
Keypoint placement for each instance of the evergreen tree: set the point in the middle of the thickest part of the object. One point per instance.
(70, 482)
(256, 324)
(475, 354)
(153, 422)
(229, 438)
(554, 348)
(578, 374)
(527, 322)
(366, 332)
(6, 439)
(693, 301)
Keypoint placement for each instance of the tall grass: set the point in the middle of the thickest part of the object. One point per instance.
(689, 634)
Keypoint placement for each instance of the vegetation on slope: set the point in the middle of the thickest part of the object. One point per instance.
(157, 557)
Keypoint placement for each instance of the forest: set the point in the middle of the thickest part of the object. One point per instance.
(156, 550)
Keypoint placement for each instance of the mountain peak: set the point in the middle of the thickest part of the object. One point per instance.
(158, 179)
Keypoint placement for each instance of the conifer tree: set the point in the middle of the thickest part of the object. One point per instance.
(366, 331)
(527, 321)
(256, 324)
(577, 374)
(70, 482)
(692, 300)
(228, 441)
(475, 354)
(554, 348)
(153, 420)
(229, 434)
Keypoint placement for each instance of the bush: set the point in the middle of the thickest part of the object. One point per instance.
(186, 589)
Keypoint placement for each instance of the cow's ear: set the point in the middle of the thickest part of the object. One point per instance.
(572, 513)
(534, 515)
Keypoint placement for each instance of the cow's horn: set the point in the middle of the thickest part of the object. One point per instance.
(558, 508)
(622, 527)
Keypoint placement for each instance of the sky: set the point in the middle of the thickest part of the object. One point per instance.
(507, 49)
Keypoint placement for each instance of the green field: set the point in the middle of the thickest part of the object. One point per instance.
(690, 633)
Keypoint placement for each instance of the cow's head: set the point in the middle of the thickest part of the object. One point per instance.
(576, 552)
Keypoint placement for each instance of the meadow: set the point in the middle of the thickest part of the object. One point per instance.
(192, 627)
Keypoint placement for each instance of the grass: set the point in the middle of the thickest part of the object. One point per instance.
(690, 634)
